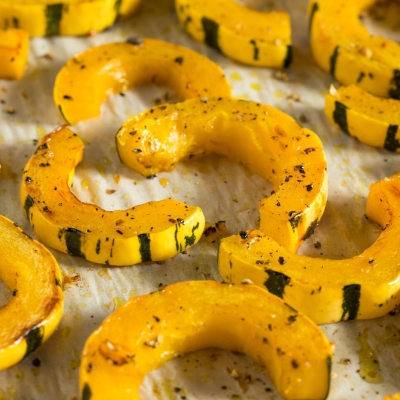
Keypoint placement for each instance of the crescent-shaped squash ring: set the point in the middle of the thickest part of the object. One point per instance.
(342, 46)
(30, 271)
(90, 77)
(261, 137)
(362, 287)
(153, 231)
(372, 120)
(152, 329)
(14, 49)
(251, 37)
(64, 17)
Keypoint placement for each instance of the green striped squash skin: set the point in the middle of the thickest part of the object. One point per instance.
(390, 142)
(254, 48)
(53, 16)
(387, 81)
(318, 287)
(153, 231)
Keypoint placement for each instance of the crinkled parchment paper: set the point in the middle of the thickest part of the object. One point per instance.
(225, 191)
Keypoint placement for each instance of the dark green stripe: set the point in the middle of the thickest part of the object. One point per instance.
(391, 143)
(86, 392)
(329, 366)
(310, 230)
(98, 245)
(340, 116)
(315, 8)
(73, 241)
(58, 282)
(33, 339)
(255, 51)
(27, 207)
(360, 77)
(53, 18)
(210, 28)
(15, 22)
(276, 282)
(289, 56)
(63, 115)
(176, 237)
(333, 60)
(394, 92)
(351, 301)
(144, 248)
(189, 240)
(117, 9)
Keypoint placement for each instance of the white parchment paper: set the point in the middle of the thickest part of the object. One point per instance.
(225, 191)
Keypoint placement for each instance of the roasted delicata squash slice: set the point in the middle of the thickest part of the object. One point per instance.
(30, 271)
(342, 46)
(152, 329)
(372, 120)
(14, 49)
(90, 77)
(261, 137)
(66, 17)
(251, 37)
(153, 231)
(362, 287)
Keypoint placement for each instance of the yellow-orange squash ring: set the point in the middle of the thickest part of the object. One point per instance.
(64, 17)
(152, 329)
(90, 77)
(153, 231)
(362, 287)
(261, 137)
(342, 46)
(31, 272)
(251, 37)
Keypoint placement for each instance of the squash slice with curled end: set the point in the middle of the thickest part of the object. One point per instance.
(249, 36)
(30, 271)
(14, 49)
(90, 77)
(372, 120)
(152, 329)
(342, 46)
(64, 17)
(153, 231)
(363, 287)
(261, 137)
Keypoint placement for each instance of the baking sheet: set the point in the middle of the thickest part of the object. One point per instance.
(225, 191)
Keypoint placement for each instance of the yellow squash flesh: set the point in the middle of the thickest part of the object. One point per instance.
(153, 231)
(14, 49)
(261, 137)
(251, 37)
(66, 17)
(342, 46)
(152, 329)
(394, 397)
(93, 75)
(30, 271)
(363, 287)
(372, 120)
